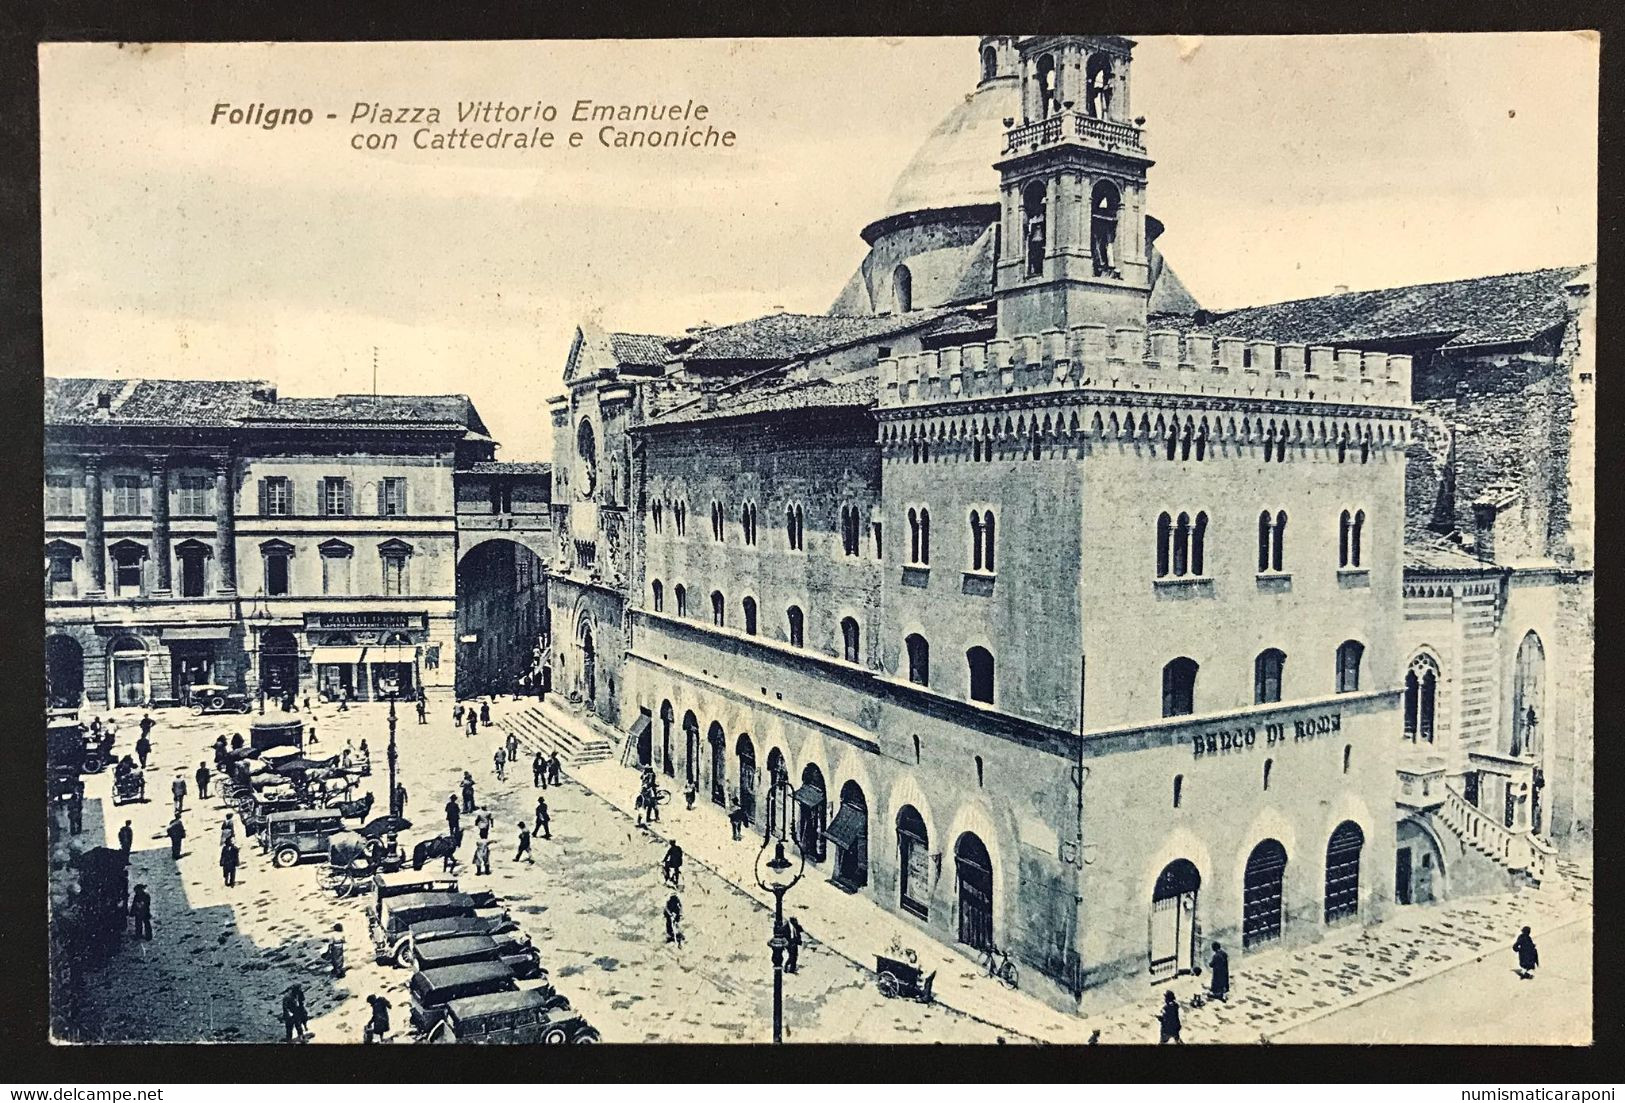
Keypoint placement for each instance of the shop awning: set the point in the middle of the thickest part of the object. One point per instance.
(341, 655)
(847, 827)
(810, 795)
(198, 632)
(390, 653)
(639, 726)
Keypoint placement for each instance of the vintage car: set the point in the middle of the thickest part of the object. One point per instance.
(299, 833)
(391, 926)
(431, 991)
(258, 806)
(74, 749)
(511, 948)
(207, 698)
(506, 1018)
(265, 734)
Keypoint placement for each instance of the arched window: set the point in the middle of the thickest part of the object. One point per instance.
(980, 660)
(980, 772)
(1185, 441)
(718, 609)
(654, 514)
(1172, 440)
(747, 522)
(1098, 81)
(793, 530)
(1049, 86)
(902, 289)
(987, 541)
(851, 530)
(1033, 202)
(913, 862)
(1421, 695)
(1267, 670)
(975, 540)
(749, 606)
(1278, 554)
(919, 546)
(679, 513)
(1266, 535)
(1344, 524)
(1165, 543)
(1182, 545)
(1179, 687)
(668, 760)
(586, 458)
(682, 600)
(990, 63)
(1198, 545)
(659, 592)
(794, 617)
(1103, 206)
(919, 659)
(1269, 768)
(1349, 653)
(849, 639)
(1348, 755)
(1179, 789)
(1354, 538)
(716, 520)
(1528, 702)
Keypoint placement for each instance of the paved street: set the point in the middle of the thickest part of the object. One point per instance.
(592, 902)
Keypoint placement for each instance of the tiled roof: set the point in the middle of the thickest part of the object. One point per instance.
(215, 402)
(1434, 553)
(778, 395)
(793, 336)
(1487, 310)
(644, 350)
(500, 467)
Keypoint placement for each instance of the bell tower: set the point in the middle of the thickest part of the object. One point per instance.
(1072, 175)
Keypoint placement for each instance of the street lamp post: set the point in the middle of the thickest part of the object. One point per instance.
(394, 789)
(778, 874)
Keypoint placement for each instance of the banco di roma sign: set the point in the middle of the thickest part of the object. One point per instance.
(1218, 741)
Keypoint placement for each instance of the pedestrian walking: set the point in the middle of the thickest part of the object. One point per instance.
(793, 934)
(364, 759)
(377, 1028)
(237, 743)
(228, 830)
(671, 866)
(178, 787)
(307, 703)
(228, 863)
(294, 1015)
(202, 781)
(346, 756)
(76, 807)
(640, 806)
(485, 714)
(335, 950)
(126, 838)
(674, 919)
(689, 793)
(553, 769)
(483, 822)
(457, 715)
(542, 827)
(454, 817)
(310, 736)
(482, 855)
(141, 912)
(538, 771)
(143, 748)
(423, 711)
(220, 752)
(1528, 956)
(176, 832)
(146, 725)
(513, 747)
(96, 727)
(500, 761)
(468, 792)
(1219, 974)
(1169, 1018)
(524, 845)
(400, 798)
(473, 720)
(736, 819)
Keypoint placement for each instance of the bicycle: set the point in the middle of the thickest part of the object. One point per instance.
(1000, 966)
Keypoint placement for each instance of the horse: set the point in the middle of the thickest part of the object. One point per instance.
(355, 809)
(441, 846)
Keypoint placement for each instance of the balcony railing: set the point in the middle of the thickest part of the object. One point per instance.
(1513, 849)
(1422, 789)
(1107, 133)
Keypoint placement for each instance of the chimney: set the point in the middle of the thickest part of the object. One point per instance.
(1484, 512)
(265, 392)
(104, 400)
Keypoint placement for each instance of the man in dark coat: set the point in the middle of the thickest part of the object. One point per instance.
(793, 935)
(538, 771)
(473, 720)
(378, 1024)
(485, 714)
(454, 819)
(141, 912)
(674, 919)
(1219, 974)
(671, 866)
(553, 768)
(176, 833)
(143, 748)
(524, 845)
(126, 838)
(513, 747)
(1528, 956)
(228, 864)
(76, 807)
(1169, 1018)
(147, 724)
(468, 792)
(543, 821)
(423, 711)
(220, 751)
(202, 781)
(178, 787)
(400, 798)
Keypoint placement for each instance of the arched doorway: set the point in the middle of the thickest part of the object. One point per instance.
(812, 802)
(746, 752)
(1173, 919)
(778, 794)
(1528, 708)
(127, 673)
(1261, 894)
(719, 764)
(501, 618)
(667, 717)
(1419, 873)
(279, 663)
(975, 873)
(589, 665)
(646, 739)
(1343, 872)
(849, 831)
(913, 862)
(691, 748)
(64, 672)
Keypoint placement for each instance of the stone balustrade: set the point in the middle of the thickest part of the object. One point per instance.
(1517, 850)
(1159, 361)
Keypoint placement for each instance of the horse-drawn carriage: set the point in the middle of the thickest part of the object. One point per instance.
(129, 782)
(356, 858)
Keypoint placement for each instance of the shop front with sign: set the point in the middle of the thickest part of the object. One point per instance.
(367, 656)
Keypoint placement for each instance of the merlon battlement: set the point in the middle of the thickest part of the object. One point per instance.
(1163, 361)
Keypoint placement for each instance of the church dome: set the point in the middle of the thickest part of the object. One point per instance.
(954, 168)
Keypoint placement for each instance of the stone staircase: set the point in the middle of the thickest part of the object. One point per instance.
(1526, 859)
(538, 732)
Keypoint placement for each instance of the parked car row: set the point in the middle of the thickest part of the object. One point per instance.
(468, 957)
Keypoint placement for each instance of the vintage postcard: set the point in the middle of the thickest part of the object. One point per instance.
(1060, 538)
